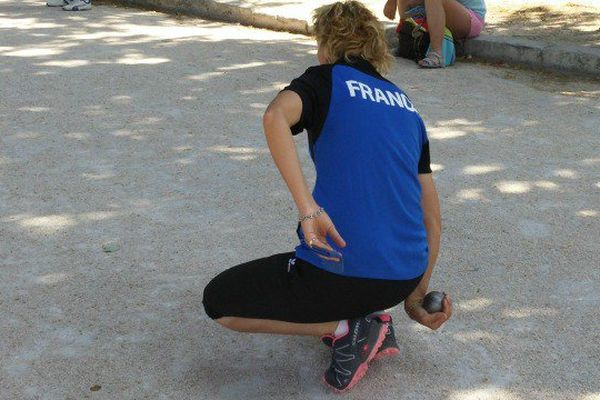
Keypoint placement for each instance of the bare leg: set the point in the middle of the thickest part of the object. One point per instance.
(277, 327)
(442, 13)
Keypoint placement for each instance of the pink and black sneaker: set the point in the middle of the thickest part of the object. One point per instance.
(388, 348)
(352, 352)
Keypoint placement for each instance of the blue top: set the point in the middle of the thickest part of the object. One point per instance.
(368, 144)
(478, 7)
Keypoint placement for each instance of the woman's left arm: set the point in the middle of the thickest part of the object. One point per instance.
(433, 225)
(283, 113)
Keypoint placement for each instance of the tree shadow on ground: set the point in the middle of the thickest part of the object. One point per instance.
(570, 23)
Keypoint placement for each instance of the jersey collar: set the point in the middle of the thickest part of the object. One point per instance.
(360, 64)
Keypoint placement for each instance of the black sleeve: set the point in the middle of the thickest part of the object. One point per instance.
(424, 160)
(314, 89)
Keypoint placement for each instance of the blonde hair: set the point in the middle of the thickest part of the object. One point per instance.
(349, 28)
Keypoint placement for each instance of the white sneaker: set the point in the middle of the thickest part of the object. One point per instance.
(55, 3)
(78, 5)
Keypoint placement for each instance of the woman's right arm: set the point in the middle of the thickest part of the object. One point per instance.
(433, 225)
(284, 112)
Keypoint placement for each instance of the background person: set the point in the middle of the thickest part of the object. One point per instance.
(464, 18)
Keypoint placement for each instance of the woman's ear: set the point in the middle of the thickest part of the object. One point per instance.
(322, 55)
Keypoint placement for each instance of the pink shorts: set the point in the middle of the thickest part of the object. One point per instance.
(476, 24)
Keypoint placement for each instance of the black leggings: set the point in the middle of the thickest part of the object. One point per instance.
(284, 288)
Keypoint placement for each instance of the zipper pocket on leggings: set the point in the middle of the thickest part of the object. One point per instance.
(291, 262)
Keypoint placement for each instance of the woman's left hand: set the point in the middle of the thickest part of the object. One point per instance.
(413, 305)
(316, 230)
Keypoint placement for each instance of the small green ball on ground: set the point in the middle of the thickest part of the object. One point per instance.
(111, 246)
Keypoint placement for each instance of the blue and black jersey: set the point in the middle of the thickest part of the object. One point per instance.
(368, 144)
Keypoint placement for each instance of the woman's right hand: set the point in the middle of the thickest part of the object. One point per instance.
(316, 230)
(413, 305)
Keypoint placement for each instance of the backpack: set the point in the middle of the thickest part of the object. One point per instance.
(413, 41)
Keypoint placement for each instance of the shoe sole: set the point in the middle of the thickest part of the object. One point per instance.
(362, 368)
(389, 352)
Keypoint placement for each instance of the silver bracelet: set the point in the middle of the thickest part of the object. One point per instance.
(311, 216)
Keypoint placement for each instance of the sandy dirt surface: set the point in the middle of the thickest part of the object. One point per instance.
(138, 134)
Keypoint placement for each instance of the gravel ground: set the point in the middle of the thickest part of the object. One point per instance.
(133, 169)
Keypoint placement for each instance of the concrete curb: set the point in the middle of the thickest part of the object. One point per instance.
(215, 11)
(532, 53)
